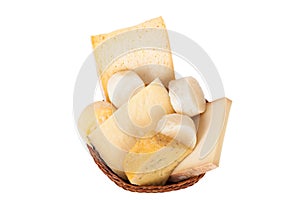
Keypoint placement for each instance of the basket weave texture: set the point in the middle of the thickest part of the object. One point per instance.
(141, 189)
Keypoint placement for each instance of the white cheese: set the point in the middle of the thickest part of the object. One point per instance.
(187, 96)
(122, 85)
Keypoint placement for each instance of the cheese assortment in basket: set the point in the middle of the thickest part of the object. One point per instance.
(152, 129)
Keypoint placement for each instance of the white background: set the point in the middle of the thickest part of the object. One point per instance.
(254, 44)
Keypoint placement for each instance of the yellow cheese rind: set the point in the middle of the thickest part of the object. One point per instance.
(194, 165)
(151, 160)
(153, 23)
(117, 135)
(127, 49)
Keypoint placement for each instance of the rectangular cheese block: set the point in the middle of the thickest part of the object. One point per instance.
(143, 48)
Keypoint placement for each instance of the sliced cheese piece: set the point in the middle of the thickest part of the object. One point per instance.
(210, 136)
(92, 116)
(151, 160)
(122, 85)
(144, 48)
(116, 136)
(187, 96)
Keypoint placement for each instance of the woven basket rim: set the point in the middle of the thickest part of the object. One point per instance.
(141, 189)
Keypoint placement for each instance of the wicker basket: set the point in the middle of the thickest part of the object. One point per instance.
(142, 189)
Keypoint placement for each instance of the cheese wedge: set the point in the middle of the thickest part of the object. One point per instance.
(210, 136)
(117, 135)
(151, 160)
(143, 48)
(92, 116)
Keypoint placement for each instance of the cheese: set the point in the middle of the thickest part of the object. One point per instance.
(196, 120)
(151, 160)
(187, 96)
(210, 136)
(122, 85)
(116, 136)
(143, 48)
(179, 127)
(92, 116)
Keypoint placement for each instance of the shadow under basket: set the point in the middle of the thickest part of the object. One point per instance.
(142, 189)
